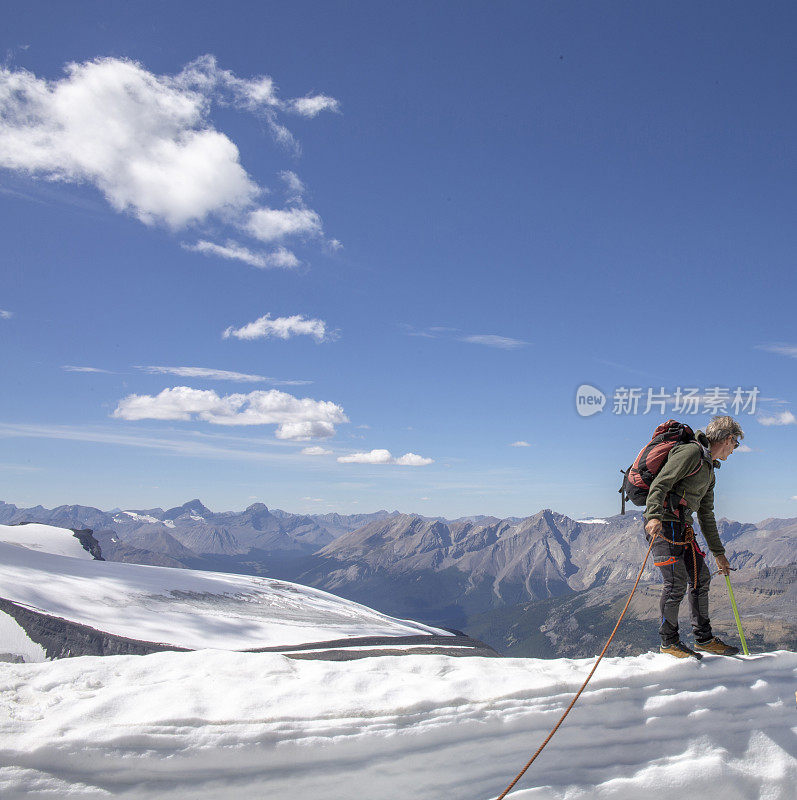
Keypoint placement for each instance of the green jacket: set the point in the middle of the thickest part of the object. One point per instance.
(676, 478)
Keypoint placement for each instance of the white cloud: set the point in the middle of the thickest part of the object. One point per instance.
(69, 368)
(446, 332)
(315, 451)
(520, 443)
(6, 314)
(140, 138)
(743, 448)
(279, 258)
(244, 449)
(385, 457)
(489, 340)
(780, 348)
(204, 75)
(293, 184)
(281, 328)
(272, 224)
(147, 143)
(781, 418)
(296, 418)
(413, 460)
(312, 106)
(218, 375)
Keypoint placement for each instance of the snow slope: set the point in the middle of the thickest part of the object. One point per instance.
(45, 539)
(215, 725)
(47, 570)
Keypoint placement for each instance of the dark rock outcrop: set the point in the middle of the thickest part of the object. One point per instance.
(86, 538)
(61, 638)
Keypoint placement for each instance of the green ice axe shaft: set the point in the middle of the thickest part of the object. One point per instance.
(736, 615)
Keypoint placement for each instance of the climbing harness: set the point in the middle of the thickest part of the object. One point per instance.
(689, 539)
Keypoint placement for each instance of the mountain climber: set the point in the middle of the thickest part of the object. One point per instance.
(685, 483)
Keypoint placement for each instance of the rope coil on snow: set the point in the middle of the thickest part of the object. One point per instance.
(595, 666)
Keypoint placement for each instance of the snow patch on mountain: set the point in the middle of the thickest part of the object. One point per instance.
(138, 517)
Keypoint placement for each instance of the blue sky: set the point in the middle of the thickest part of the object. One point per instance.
(422, 226)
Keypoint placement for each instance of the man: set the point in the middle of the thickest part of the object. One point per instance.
(686, 483)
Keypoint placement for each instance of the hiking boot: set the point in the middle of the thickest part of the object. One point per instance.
(679, 650)
(717, 646)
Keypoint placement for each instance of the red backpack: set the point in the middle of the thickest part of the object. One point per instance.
(639, 476)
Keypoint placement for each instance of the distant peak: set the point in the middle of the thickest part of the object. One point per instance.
(257, 507)
(195, 505)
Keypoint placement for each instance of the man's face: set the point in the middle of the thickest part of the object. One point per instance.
(727, 447)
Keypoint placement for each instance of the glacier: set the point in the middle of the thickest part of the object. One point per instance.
(216, 724)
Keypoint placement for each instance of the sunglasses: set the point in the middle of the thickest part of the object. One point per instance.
(735, 443)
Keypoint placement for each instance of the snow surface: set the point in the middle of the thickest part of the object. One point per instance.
(52, 573)
(213, 725)
(44, 539)
(14, 641)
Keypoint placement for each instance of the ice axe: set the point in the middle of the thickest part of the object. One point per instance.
(736, 615)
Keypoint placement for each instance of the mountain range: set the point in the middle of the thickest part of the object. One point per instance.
(483, 575)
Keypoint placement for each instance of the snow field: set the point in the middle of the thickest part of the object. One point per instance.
(214, 725)
(45, 539)
(47, 569)
(15, 642)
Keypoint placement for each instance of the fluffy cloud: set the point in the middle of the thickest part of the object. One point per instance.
(779, 418)
(385, 457)
(69, 368)
(147, 143)
(316, 451)
(296, 418)
(413, 460)
(272, 224)
(312, 106)
(280, 258)
(520, 443)
(140, 138)
(6, 314)
(217, 375)
(281, 328)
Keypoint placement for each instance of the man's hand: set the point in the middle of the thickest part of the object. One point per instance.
(652, 527)
(723, 564)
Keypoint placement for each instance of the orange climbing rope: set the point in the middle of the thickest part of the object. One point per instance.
(687, 540)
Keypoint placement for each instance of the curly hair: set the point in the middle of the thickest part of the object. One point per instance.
(721, 428)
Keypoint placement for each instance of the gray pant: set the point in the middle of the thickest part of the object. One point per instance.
(678, 571)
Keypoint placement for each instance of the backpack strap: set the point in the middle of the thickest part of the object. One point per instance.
(680, 509)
